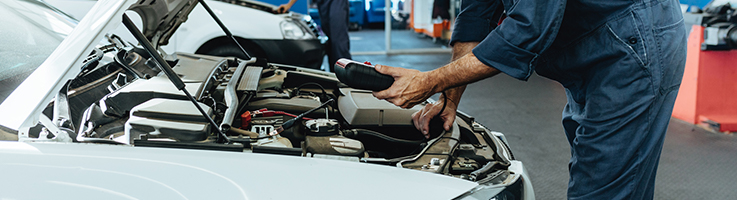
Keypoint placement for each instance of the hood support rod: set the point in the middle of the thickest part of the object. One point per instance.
(225, 29)
(178, 83)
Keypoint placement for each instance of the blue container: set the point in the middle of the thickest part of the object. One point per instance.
(356, 14)
(374, 11)
(699, 3)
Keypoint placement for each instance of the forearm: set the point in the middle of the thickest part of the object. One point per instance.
(459, 50)
(291, 2)
(464, 70)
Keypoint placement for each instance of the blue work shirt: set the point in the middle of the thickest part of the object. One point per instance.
(621, 63)
(530, 28)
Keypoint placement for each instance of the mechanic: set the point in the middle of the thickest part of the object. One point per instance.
(620, 61)
(334, 23)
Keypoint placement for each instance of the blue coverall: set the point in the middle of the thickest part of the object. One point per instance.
(621, 62)
(334, 23)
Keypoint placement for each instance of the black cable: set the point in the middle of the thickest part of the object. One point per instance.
(365, 132)
(244, 103)
(445, 102)
(324, 93)
(437, 122)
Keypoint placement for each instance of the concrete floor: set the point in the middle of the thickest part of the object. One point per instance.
(695, 164)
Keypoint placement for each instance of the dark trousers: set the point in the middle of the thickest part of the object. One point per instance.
(334, 23)
(621, 81)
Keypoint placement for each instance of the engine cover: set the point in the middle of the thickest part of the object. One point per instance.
(167, 118)
(360, 107)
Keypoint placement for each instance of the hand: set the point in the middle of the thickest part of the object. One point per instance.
(283, 8)
(410, 87)
(422, 118)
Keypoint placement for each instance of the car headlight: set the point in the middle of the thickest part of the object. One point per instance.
(292, 30)
(307, 18)
(495, 190)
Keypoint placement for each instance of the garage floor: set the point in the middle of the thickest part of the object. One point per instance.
(695, 164)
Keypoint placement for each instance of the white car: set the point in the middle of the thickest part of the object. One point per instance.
(100, 118)
(290, 38)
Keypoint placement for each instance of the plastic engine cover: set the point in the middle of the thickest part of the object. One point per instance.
(167, 118)
(360, 107)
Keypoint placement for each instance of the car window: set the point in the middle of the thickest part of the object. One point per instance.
(29, 32)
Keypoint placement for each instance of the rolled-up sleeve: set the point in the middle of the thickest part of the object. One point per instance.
(514, 46)
(476, 20)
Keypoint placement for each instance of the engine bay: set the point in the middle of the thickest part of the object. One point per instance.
(122, 98)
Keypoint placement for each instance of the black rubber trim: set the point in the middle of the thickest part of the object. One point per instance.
(278, 150)
(185, 145)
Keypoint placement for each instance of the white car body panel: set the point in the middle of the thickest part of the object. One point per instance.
(98, 171)
(259, 25)
(200, 27)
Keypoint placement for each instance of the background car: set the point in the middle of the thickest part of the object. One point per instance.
(290, 38)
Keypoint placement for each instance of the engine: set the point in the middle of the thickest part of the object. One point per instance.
(261, 108)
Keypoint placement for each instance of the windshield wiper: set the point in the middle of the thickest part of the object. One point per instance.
(173, 77)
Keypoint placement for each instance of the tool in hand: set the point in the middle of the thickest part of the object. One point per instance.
(364, 76)
(361, 75)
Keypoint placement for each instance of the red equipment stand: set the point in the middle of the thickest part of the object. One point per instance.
(708, 93)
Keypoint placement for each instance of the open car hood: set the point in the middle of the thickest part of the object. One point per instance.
(160, 20)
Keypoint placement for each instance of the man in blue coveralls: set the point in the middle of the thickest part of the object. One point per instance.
(621, 62)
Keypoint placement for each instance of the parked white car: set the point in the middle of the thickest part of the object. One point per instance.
(290, 38)
(101, 118)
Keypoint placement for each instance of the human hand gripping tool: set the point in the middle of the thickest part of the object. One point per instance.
(364, 76)
(361, 75)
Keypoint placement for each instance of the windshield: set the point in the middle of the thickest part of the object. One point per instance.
(29, 31)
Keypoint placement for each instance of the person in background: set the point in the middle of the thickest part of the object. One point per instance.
(334, 23)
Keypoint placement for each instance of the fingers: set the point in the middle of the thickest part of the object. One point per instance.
(448, 121)
(425, 121)
(385, 94)
(281, 9)
(421, 118)
(416, 120)
(389, 93)
(383, 69)
(408, 90)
